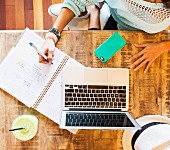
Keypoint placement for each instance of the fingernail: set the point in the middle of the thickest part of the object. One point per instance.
(131, 66)
(135, 69)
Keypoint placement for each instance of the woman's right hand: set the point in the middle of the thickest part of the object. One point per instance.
(47, 48)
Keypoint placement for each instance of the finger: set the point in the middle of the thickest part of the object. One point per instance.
(141, 65)
(41, 58)
(147, 67)
(137, 55)
(43, 61)
(140, 45)
(137, 62)
(50, 56)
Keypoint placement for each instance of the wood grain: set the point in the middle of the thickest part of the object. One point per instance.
(47, 19)
(2, 15)
(149, 93)
(28, 4)
(19, 14)
(38, 15)
(29, 13)
(10, 17)
(2, 99)
(10, 2)
(29, 19)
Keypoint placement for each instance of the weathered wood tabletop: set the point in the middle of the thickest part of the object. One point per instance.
(149, 93)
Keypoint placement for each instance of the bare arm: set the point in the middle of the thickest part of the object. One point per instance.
(65, 16)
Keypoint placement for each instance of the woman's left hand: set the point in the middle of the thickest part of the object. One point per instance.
(149, 53)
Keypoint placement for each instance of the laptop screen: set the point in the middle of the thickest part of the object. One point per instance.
(98, 119)
(126, 122)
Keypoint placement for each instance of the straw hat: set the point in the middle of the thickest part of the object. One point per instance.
(154, 135)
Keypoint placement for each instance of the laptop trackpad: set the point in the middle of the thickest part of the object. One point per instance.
(96, 75)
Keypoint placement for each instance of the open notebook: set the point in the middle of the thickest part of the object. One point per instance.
(34, 84)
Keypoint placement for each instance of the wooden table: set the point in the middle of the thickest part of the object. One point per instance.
(149, 93)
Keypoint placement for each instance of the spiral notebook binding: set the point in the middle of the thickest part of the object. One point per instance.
(46, 88)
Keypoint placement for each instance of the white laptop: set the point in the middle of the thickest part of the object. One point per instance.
(96, 98)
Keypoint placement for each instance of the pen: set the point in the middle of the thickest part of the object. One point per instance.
(38, 51)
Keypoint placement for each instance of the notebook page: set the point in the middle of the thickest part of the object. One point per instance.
(22, 75)
(51, 104)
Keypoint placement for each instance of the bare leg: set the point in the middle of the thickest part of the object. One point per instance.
(94, 21)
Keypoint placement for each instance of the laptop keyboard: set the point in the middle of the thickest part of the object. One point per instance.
(95, 96)
(97, 119)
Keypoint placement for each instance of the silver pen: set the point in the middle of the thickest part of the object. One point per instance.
(38, 51)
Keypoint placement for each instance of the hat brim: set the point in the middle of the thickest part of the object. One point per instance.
(128, 134)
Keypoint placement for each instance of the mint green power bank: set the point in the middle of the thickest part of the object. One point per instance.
(107, 49)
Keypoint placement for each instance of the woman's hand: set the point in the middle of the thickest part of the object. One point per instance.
(48, 49)
(149, 53)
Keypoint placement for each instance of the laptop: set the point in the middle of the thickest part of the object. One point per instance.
(96, 98)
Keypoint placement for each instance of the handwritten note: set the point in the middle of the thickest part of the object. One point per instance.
(23, 76)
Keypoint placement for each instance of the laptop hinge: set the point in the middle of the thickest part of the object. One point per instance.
(92, 109)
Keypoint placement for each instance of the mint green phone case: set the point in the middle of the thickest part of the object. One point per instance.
(107, 49)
